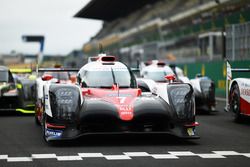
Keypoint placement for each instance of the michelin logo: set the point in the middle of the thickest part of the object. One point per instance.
(53, 133)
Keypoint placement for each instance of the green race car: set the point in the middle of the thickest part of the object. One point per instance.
(16, 91)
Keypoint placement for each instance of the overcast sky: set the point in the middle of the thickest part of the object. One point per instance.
(51, 18)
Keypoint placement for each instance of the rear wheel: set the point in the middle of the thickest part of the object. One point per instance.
(235, 103)
(37, 121)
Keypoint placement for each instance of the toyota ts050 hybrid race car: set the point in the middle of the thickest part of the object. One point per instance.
(16, 93)
(204, 88)
(107, 100)
(239, 94)
(159, 79)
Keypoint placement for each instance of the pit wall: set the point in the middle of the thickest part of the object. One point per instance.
(216, 71)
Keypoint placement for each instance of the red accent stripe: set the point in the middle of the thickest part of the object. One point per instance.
(192, 124)
(55, 126)
(244, 107)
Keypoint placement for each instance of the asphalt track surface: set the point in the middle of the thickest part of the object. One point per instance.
(222, 143)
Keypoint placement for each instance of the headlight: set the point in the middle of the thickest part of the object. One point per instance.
(64, 101)
(182, 99)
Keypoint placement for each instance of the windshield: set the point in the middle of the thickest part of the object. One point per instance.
(158, 76)
(59, 75)
(4, 76)
(105, 79)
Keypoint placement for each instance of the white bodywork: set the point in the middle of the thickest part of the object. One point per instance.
(157, 88)
(244, 87)
(196, 84)
(39, 88)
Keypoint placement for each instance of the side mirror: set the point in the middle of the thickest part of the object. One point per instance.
(170, 77)
(47, 77)
(85, 91)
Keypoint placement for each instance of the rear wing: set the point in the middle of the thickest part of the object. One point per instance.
(58, 69)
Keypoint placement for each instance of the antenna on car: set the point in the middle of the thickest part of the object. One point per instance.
(101, 51)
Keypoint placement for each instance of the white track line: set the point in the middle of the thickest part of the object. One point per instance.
(210, 156)
(43, 156)
(220, 99)
(19, 159)
(117, 157)
(90, 155)
(126, 156)
(182, 153)
(164, 156)
(69, 158)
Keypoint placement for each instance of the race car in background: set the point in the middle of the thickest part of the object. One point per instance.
(159, 78)
(204, 88)
(239, 94)
(25, 84)
(107, 99)
(16, 94)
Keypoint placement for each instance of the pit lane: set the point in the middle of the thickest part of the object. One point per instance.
(222, 142)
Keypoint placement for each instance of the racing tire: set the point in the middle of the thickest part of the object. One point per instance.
(44, 127)
(235, 103)
(51, 143)
(36, 118)
(37, 121)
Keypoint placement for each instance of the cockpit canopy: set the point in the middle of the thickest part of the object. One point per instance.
(156, 73)
(105, 75)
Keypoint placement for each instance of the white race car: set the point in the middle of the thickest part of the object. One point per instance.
(160, 79)
(239, 95)
(204, 88)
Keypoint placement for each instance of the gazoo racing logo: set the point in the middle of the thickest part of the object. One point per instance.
(126, 112)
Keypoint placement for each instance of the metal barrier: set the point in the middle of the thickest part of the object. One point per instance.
(238, 41)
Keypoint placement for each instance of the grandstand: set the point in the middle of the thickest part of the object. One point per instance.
(189, 30)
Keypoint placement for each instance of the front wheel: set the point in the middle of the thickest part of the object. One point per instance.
(235, 103)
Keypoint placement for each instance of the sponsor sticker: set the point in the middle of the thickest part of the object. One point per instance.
(245, 92)
(126, 108)
(53, 133)
(190, 131)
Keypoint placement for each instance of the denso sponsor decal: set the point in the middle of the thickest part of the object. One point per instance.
(245, 92)
(126, 112)
(125, 108)
(53, 133)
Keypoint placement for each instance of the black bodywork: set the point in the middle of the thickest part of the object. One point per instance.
(16, 94)
(151, 115)
(107, 99)
(7, 84)
(206, 98)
